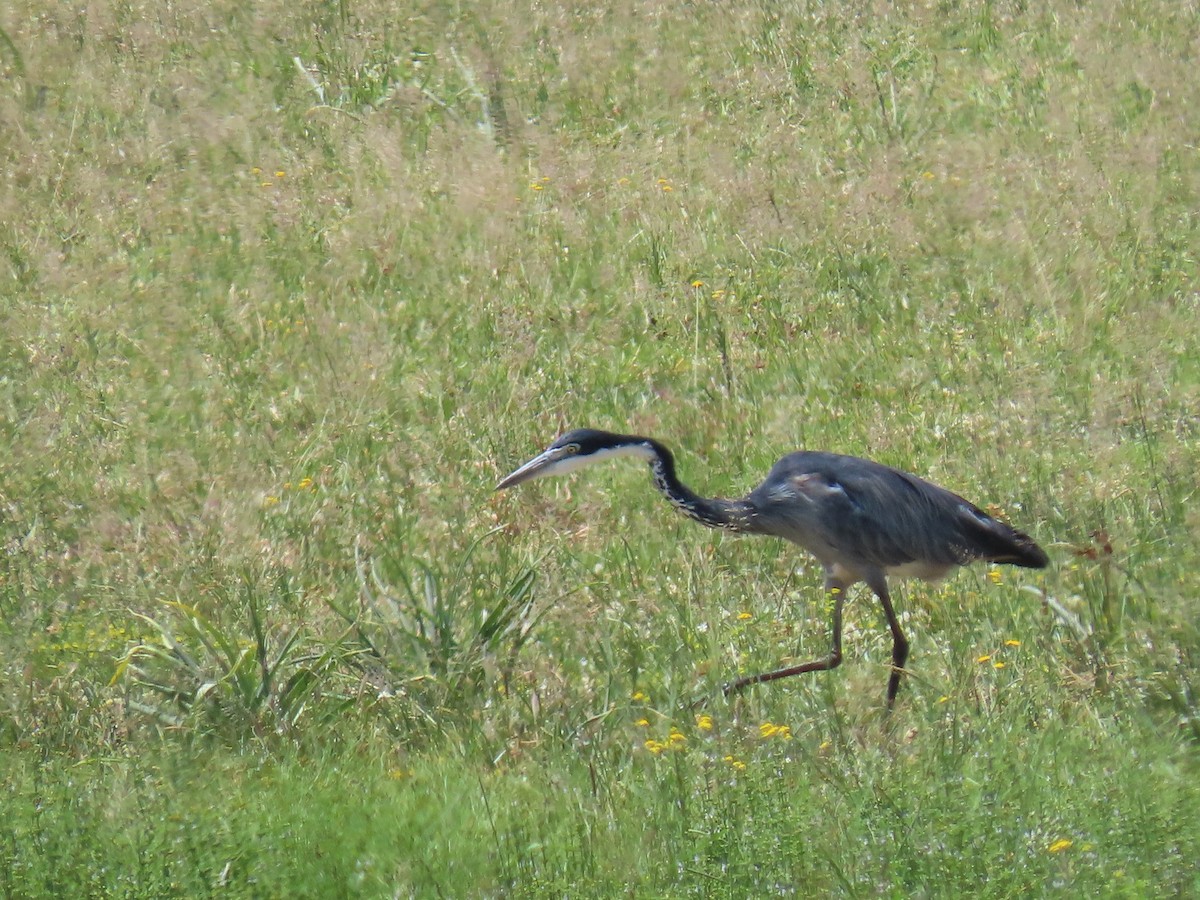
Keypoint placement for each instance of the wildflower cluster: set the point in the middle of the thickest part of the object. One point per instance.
(94, 639)
(769, 730)
(263, 177)
(703, 735)
(676, 740)
(993, 657)
(284, 326)
(306, 485)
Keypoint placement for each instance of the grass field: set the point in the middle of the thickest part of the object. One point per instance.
(285, 288)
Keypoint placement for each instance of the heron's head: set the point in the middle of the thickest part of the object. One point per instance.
(576, 449)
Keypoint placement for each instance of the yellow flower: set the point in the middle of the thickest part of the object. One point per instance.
(305, 484)
(770, 730)
(998, 665)
(735, 763)
(743, 616)
(943, 699)
(704, 722)
(654, 746)
(697, 283)
(985, 658)
(995, 576)
(1012, 643)
(270, 501)
(279, 173)
(534, 186)
(677, 737)
(642, 723)
(1060, 845)
(639, 697)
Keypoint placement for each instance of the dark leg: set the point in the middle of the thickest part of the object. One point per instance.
(838, 592)
(878, 584)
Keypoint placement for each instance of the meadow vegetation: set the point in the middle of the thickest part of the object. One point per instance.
(286, 287)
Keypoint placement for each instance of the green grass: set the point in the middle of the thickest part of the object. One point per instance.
(286, 288)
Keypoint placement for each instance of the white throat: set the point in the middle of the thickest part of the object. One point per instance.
(574, 463)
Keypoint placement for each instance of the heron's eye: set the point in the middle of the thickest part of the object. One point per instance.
(572, 449)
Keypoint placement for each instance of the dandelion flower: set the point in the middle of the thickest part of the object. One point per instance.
(677, 737)
(704, 722)
(998, 665)
(697, 284)
(1012, 643)
(995, 576)
(642, 723)
(639, 697)
(735, 762)
(743, 616)
(985, 658)
(1060, 845)
(655, 747)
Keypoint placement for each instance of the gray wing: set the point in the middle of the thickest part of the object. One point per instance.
(854, 511)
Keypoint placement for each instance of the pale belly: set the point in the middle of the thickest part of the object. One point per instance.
(923, 570)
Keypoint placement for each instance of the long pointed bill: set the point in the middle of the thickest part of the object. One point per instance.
(539, 465)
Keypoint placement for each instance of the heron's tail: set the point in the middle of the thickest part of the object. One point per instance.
(1021, 550)
(996, 542)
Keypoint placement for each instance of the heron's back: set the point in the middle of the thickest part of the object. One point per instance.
(854, 512)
